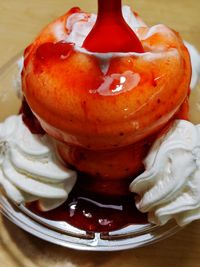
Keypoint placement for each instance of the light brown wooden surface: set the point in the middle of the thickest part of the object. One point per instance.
(20, 21)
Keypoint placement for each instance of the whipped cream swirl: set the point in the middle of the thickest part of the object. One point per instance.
(29, 167)
(170, 186)
(195, 61)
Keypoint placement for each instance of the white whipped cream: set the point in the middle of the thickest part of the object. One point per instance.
(17, 81)
(195, 61)
(170, 186)
(29, 167)
(79, 25)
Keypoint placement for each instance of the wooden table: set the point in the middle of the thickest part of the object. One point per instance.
(20, 21)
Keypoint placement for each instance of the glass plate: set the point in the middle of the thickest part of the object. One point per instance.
(61, 233)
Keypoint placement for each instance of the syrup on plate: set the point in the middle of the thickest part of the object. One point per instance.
(94, 213)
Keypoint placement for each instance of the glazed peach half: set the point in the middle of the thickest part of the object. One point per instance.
(97, 102)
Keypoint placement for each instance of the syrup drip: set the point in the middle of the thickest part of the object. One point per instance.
(60, 50)
(111, 33)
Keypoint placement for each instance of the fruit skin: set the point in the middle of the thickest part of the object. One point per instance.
(61, 86)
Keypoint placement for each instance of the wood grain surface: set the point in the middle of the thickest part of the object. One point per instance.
(20, 21)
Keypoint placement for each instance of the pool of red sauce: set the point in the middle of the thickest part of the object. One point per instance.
(83, 209)
(94, 213)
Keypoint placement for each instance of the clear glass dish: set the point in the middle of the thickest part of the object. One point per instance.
(61, 233)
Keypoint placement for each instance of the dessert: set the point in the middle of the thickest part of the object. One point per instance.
(105, 108)
(94, 107)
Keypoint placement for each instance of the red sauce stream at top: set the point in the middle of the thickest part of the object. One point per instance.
(111, 33)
